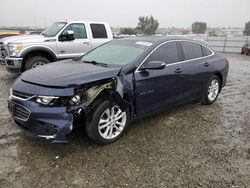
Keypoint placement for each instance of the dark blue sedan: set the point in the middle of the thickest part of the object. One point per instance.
(113, 84)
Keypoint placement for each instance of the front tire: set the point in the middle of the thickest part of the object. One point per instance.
(212, 90)
(107, 123)
(35, 61)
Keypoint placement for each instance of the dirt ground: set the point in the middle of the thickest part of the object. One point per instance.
(189, 146)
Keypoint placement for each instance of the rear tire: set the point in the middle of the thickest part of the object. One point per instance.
(35, 61)
(107, 123)
(212, 90)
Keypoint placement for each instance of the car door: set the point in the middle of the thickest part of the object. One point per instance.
(158, 89)
(74, 48)
(197, 69)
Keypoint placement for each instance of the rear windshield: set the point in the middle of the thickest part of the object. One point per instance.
(117, 52)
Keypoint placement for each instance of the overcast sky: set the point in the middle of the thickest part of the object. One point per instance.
(177, 13)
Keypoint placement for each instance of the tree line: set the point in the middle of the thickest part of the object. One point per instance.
(148, 25)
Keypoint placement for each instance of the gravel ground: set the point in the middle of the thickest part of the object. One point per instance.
(191, 146)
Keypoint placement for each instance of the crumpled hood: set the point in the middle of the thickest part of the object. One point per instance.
(68, 73)
(24, 39)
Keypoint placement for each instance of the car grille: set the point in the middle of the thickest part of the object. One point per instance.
(20, 112)
(21, 94)
(3, 53)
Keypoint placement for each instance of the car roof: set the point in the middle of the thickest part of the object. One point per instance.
(83, 21)
(158, 39)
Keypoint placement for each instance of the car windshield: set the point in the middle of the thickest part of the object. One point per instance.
(117, 52)
(53, 29)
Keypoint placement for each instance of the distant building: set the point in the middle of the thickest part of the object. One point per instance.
(233, 32)
(174, 31)
(230, 32)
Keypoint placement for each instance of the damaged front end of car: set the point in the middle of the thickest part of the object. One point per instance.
(53, 116)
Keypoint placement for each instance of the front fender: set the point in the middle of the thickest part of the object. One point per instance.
(44, 48)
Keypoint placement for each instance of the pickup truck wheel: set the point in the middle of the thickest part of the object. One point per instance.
(36, 61)
(107, 123)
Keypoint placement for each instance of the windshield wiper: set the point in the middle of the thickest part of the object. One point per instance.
(76, 58)
(43, 34)
(96, 63)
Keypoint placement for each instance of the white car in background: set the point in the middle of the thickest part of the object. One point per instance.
(62, 40)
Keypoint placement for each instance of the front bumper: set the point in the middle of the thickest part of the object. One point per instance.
(51, 123)
(13, 64)
(2, 61)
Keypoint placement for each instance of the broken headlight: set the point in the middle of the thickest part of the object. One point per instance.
(75, 100)
(46, 100)
(60, 101)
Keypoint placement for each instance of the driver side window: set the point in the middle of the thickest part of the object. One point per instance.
(78, 29)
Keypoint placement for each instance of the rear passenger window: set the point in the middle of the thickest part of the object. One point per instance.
(98, 31)
(206, 51)
(167, 53)
(191, 50)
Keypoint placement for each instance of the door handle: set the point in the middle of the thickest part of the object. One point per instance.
(206, 64)
(87, 43)
(178, 70)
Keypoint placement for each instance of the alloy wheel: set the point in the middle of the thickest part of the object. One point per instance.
(213, 89)
(112, 122)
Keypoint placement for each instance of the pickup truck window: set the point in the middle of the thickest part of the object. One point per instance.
(98, 31)
(78, 29)
(115, 53)
(52, 30)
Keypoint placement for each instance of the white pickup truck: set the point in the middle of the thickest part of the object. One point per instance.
(62, 40)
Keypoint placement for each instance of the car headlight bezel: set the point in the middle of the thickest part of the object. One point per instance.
(46, 100)
(15, 49)
(58, 101)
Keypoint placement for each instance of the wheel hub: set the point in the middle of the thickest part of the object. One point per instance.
(112, 122)
(213, 90)
(38, 64)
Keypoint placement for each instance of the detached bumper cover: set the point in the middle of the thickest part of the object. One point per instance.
(51, 123)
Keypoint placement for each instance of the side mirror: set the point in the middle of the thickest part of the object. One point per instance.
(67, 36)
(153, 65)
